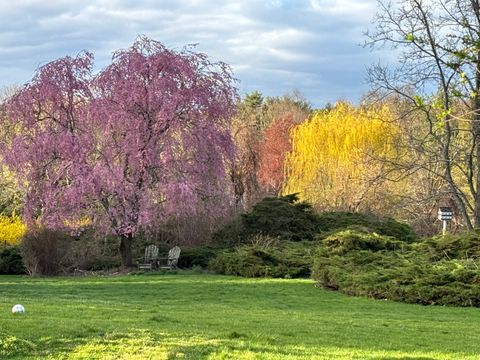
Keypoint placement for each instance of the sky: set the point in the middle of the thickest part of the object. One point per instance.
(273, 46)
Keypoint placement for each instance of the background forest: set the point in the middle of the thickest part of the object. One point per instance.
(338, 158)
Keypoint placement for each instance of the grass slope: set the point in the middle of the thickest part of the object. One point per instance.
(188, 316)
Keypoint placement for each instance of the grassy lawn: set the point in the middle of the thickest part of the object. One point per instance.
(188, 316)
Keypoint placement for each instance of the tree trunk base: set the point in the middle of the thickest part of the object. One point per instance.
(126, 250)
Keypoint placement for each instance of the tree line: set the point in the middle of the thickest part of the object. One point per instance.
(159, 139)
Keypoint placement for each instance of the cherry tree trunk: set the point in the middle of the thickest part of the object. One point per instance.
(126, 250)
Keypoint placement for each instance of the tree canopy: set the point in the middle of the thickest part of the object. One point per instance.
(438, 80)
(145, 137)
(333, 161)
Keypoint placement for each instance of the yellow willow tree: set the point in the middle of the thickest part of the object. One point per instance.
(338, 158)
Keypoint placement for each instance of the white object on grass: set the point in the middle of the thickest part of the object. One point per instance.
(18, 309)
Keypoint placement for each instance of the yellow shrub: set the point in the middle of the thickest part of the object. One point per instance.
(11, 230)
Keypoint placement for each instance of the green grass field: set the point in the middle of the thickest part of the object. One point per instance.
(188, 316)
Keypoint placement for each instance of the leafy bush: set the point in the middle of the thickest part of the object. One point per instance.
(11, 261)
(197, 256)
(357, 238)
(331, 221)
(463, 246)
(99, 263)
(11, 230)
(282, 259)
(231, 234)
(283, 217)
(46, 252)
(288, 219)
(381, 267)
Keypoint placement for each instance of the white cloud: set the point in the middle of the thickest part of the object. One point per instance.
(351, 8)
(273, 46)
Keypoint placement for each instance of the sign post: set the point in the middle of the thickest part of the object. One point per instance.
(445, 214)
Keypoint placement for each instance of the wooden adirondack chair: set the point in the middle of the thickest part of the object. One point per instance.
(151, 258)
(172, 259)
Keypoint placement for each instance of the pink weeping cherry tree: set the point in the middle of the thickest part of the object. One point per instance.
(144, 139)
(48, 138)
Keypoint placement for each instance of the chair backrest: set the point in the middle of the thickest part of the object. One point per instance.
(151, 252)
(173, 256)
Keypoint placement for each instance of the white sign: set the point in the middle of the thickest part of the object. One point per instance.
(445, 213)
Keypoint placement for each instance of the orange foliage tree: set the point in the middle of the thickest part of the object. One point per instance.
(275, 146)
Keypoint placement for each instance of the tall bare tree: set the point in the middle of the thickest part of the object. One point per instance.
(437, 75)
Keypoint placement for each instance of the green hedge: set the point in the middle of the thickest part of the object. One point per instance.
(282, 259)
(197, 256)
(368, 264)
(464, 246)
(287, 218)
(358, 238)
(290, 221)
(281, 217)
(329, 222)
(11, 261)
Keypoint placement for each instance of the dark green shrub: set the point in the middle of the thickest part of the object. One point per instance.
(11, 261)
(460, 246)
(231, 234)
(282, 259)
(197, 256)
(288, 219)
(356, 238)
(381, 267)
(331, 221)
(100, 263)
(242, 262)
(283, 217)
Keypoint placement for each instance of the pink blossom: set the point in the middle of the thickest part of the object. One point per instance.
(145, 138)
